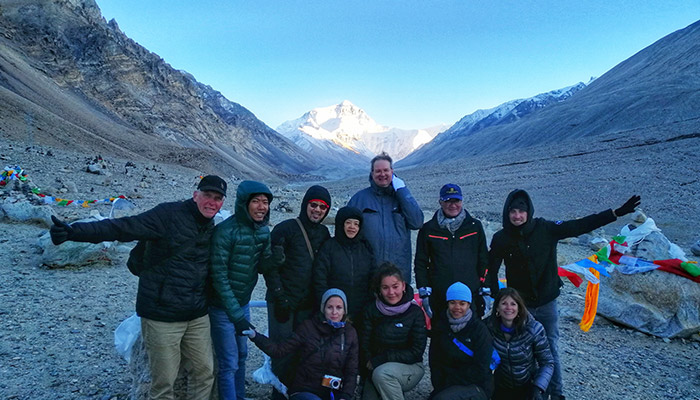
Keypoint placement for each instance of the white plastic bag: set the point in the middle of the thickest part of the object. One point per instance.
(636, 235)
(264, 375)
(126, 334)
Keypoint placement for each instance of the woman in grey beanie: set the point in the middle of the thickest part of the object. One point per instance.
(328, 352)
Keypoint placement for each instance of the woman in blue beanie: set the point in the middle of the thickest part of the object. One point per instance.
(328, 352)
(460, 351)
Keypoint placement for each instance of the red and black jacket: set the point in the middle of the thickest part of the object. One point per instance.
(443, 258)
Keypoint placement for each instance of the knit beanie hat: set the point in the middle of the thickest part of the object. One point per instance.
(519, 203)
(459, 291)
(330, 293)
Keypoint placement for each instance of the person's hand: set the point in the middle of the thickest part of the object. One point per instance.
(397, 183)
(536, 393)
(426, 307)
(250, 333)
(424, 294)
(60, 231)
(629, 206)
(242, 326)
(282, 309)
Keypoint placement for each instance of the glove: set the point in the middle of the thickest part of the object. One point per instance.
(282, 309)
(397, 183)
(250, 333)
(241, 326)
(628, 207)
(60, 231)
(536, 393)
(424, 294)
(425, 291)
(426, 307)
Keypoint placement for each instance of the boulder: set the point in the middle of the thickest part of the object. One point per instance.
(695, 249)
(655, 302)
(74, 254)
(22, 210)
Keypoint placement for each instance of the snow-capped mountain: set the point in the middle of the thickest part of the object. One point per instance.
(507, 112)
(503, 114)
(347, 131)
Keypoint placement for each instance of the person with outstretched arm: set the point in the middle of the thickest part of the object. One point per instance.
(528, 248)
(172, 298)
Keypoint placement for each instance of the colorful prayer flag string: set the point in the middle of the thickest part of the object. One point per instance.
(65, 202)
(17, 173)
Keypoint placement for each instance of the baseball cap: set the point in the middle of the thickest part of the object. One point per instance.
(450, 191)
(212, 183)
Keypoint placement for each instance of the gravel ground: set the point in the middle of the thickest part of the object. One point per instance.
(57, 325)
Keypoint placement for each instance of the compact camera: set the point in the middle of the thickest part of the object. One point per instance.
(331, 381)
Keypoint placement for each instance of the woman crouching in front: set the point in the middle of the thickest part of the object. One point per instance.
(328, 351)
(393, 338)
(526, 361)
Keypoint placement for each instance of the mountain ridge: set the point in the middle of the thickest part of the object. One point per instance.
(91, 67)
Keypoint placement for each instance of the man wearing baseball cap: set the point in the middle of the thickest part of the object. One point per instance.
(451, 248)
(172, 296)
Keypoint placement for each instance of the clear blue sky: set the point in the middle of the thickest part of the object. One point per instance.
(407, 63)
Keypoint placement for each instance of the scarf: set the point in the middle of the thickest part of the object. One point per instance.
(336, 325)
(507, 329)
(389, 311)
(458, 324)
(451, 224)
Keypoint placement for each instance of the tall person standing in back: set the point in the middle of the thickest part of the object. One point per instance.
(389, 214)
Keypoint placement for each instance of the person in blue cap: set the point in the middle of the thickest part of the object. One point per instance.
(451, 247)
(460, 352)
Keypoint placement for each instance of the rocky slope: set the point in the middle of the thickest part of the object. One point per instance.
(69, 71)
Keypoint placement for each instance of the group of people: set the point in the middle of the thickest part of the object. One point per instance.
(342, 316)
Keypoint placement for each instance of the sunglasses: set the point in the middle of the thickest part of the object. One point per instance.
(323, 207)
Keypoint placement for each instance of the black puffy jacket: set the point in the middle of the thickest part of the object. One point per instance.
(323, 350)
(525, 357)
(530, 251)
(399, 338)
(443, 258)
(294, 277)
(461, 358)
(346, 264)
(180, 235)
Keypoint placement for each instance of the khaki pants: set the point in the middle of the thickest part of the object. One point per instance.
(168, 343)
(390, 381)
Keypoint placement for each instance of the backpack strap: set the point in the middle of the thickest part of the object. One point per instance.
(306, 238)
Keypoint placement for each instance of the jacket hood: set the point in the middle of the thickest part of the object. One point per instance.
(343, 215)
(245, 191)
(518, 194)
(314, 192)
